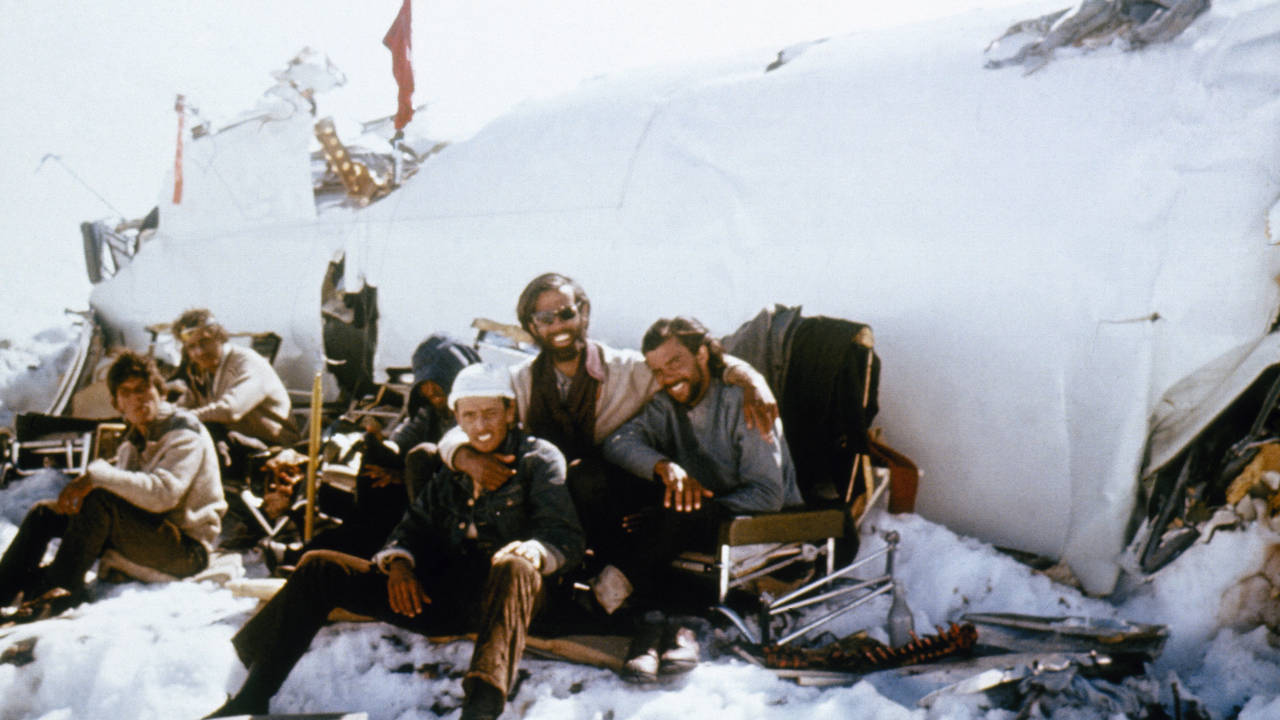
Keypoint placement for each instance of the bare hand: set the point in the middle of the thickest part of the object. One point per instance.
(682, 491)
(760, 408)
(638, 522)
(72, 496)
(381, 476)
(530, 550)
(487, 470)
(404, 592)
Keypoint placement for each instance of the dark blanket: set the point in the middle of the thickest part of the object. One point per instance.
(820, 377)
(822, 407)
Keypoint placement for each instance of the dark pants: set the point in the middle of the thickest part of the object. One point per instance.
(603, 494)
(105, 522)
(656, 540)
(378, 510)
(499, 602)
(365, 530)
(652, 537)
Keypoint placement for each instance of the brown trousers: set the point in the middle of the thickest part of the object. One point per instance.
(105, 522)
(498, 602)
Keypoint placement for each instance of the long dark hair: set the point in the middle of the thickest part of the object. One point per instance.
(550, 281)
(691, 334)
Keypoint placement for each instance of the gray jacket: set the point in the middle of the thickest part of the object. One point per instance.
(747, 473)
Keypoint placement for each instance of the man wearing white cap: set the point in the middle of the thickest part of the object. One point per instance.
(463, 558)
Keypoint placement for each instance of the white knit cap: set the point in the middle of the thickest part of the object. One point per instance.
(481, 381)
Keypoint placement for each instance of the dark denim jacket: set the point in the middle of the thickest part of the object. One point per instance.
(534, 504)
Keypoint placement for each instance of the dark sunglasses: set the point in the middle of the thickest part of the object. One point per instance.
(564, 314)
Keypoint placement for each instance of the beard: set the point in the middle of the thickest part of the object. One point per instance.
(697, 383)
(571, 352)
(567, 352)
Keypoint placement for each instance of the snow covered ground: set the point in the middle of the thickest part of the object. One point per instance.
(164, 651)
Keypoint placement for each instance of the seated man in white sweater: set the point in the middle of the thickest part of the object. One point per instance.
(229, 385)
(159, 505)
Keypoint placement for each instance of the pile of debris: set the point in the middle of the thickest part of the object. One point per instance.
(1213, 457)
(1095, 23)
(1033, 666)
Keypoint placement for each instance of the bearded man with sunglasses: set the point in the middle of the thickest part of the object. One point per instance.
(575, 393)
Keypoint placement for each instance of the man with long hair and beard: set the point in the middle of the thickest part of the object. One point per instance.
(575, 393)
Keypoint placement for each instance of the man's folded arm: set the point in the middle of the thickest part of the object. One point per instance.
(162, 488)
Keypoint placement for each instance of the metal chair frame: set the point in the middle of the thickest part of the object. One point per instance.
(833, 584)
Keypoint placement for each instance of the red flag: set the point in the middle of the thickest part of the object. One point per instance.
(399, 41)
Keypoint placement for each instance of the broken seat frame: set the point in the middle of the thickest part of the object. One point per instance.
(797, 531)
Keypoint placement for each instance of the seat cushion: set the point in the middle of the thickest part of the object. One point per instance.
(783, 527)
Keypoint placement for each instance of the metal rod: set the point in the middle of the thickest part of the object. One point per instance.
(738, 622)
(832, 576)
(764, 570)
(777, 608)
(724, 571)
(791, 549)
(78, 179)
(832, 616)
(891, 539)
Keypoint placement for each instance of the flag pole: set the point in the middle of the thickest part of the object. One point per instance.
(313, 456)
(180, 107)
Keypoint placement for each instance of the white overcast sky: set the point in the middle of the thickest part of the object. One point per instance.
(94, 83)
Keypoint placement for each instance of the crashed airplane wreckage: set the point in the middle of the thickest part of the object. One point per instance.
(1031, 319)
(1023, 362)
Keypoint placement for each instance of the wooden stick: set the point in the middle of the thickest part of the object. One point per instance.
(862, 462)
(313, 456)
(866, 398)
(871, 501)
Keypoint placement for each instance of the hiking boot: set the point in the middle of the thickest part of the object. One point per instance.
(680, 651)
(643, 661)
(483, 701)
